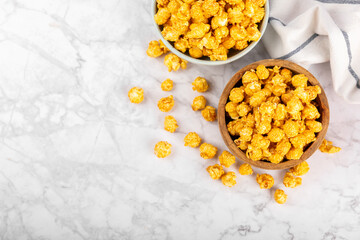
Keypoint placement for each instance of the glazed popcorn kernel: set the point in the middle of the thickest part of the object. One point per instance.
(207, 151)
(136, 95)
(245, 169)
(166, 104)
(209, 113)
(192, 139)
(236, 95)
(154, 49)
(229, 179)
(215, 171)
(291, 181)
(276, 134)
(162, 149)
(174, 63)
(167, 85)
(313, 125)
(300, 169)
(170, 124)
(226, 159)
(265, 181)
(262, 72)
(327, 147)
(200, 84)
(299, 80)
(294, 153)
(280, 196)
(198, 103)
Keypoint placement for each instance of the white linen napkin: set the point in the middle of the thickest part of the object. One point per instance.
(315, 31)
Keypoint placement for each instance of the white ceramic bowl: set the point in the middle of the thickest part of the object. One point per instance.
(232, 55)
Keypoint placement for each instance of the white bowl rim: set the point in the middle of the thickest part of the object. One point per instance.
(209, 62)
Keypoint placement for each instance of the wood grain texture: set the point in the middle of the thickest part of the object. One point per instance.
(323, 108)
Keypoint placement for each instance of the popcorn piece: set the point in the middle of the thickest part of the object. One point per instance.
(226, 159)
(262, 72)
(207, 151)
(166, 104)
(182, 44)
(291, 181)
(215, 171)
(228, 42)
(154, 49)
(136, 95)
(209, 113)
(313, 125)
(276, 134)
(200, 84)
(238, 32)
(245, 169)
(246, 133)
(327, 147)
(174, 63)
(283, 147)
(219, 21)
(265, 181)
(167, 85)
(243, 145)
(229, 179)
(253, 33)
(170, 124)
(280, 196)
(252, 88)
(198, 30)
(243, 109)
(173, 6)
(210, 8)
(276, 158)
(195, 52)
(192, 139)
(219, 53)
(199, 103)
(162, 149)
(254, 153)
(162, 16)
(291, 128)
(197, 14)
(236, 95)
(260, 141)
(299, 80)
(310, 112)
(294, 153)
(300, 169)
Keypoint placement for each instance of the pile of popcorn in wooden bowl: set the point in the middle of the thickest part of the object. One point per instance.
(273, 114)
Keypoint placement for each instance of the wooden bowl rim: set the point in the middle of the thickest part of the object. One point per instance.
(295, 68)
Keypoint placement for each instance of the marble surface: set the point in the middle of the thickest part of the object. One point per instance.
(77, 158)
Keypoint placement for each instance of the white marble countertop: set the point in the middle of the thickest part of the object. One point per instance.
(77, 158)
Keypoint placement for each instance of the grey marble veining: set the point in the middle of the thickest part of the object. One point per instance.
(77, 158)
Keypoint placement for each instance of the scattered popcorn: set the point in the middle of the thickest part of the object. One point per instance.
(192, 139)
(170, 124)
(200, 84)
(280, 196)
(199, 103)
(327, 147)
(136, 95)
(226, 159)
(265, 181)
(166, 104)
(162, 149)
(215, 171)
(291, 181)
(300, 169)
(207, 151)
(173, 62)
(245, 169)
(209, 27)
(156, 49)
(209, 113)
(167, 85)
(229, 179)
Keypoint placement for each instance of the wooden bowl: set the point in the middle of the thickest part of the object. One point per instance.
(235, 81)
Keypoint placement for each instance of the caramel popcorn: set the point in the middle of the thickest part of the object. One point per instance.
(265, 181)
(215, 26)
(215, 171)
(229, 179)
(327, 147)
(207, 151)
(245, 169)
(280, 196)
(162, 149)
(170, 124)
(274, 113)
(226, 159)
(209, 113)
(166, 104)
(136, 95)
(291, 181)
(167, 85)
(173, 62)
(156, 49)
(192, 139)
(200, 84)
(300, 169)
(199, 103)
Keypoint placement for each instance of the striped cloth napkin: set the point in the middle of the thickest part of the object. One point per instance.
(316, 31)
